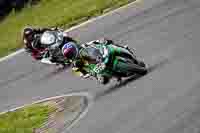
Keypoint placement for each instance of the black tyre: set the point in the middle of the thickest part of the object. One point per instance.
(137, 69)
(140, 63)
(129, 67)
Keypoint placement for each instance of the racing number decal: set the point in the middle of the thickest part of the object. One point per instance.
(98, 69)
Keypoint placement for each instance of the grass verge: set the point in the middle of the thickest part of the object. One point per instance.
(53, 115)
(25, 120)
(49, 13)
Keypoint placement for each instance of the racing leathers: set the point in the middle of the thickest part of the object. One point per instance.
(102, 63)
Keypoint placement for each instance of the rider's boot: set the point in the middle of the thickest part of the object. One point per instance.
(119, 79)
(103, 79)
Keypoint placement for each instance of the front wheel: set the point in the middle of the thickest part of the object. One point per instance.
(141, 63)
(139, 69)
(128, 67)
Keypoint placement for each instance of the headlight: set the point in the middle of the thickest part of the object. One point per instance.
(48, 38)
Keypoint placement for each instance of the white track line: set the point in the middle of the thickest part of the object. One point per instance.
(90, 103)
(86, 94)
(89, 97)
(75, 27)
(11, 55)
(104, 15)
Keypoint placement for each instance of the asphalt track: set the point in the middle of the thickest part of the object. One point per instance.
(166, 33)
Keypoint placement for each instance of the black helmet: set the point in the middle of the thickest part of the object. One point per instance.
(28, 33)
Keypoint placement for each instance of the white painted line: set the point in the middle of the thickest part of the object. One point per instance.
(102, 16)
(90, 103)
(82, 114)
(11, 55)
(86, 94)
(77, 26)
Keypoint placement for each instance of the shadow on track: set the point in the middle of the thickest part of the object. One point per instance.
(116, 87)
(20, 76)
(53, 73)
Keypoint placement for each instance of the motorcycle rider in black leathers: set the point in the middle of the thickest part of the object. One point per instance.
(33, 45)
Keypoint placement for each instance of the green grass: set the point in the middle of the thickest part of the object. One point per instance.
(49, 13)
(24, 120)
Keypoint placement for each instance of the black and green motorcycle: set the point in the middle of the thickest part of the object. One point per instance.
(120, 61)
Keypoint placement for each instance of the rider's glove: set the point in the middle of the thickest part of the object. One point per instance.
(85, 75)
(82, 74)
(75, 68)
(102, 66)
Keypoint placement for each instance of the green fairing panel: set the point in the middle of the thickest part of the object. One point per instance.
(91, 53)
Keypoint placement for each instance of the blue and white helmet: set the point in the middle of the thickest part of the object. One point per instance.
(70, 50)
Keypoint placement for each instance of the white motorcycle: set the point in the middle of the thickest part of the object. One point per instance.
(53, 41)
